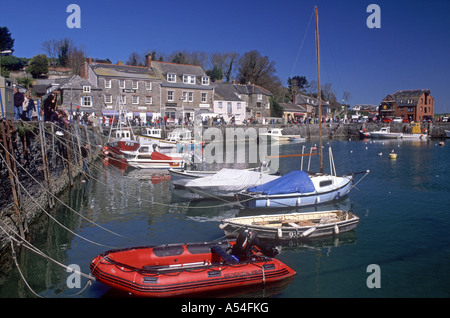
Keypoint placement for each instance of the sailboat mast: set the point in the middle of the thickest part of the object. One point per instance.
(319, 99)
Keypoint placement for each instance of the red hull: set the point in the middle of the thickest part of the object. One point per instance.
(184, 270)
(116, 147)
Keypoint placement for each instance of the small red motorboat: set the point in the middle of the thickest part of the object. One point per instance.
(186, 269)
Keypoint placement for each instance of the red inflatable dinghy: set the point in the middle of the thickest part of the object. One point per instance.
(185, 269)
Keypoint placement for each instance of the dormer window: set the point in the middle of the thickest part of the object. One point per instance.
(188, 79)
(86, 89)
(205, 80)
(171, 78)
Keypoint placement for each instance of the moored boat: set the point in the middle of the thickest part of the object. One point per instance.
(289, 226)
(385, 133)
(187, 269)
(276, 134)
(146, 157)
(296, 189)
(447, 133)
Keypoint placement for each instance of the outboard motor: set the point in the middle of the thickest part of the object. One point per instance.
(245, 242)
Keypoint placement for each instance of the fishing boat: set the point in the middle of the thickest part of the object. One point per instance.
(385, 133)
(226, 182)
(275, 134)
(416, 133)
(121, 137)
(190, 269)
(289, 226)
(146, 157)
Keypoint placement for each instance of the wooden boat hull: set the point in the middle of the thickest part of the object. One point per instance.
(293, 225)
(183, 270)
(255, 200)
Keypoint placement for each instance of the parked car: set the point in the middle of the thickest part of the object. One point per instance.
(398, 120)
(387, 120)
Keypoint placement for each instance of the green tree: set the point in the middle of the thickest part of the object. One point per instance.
(6, 41)
(38, 65)
(215, 74)
(275, 108)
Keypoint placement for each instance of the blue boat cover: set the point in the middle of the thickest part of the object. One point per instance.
(296, 181)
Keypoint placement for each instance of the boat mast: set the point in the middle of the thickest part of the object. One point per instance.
(319, 94)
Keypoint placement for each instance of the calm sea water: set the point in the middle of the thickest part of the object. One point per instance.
(403, 206)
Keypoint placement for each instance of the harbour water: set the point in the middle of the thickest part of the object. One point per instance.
(403, 206)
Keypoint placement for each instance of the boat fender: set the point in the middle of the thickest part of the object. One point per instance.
(308, 232)
(268, 202)
(318, 200)
(299, 200)
(336, 229)
(222, 226)
(280, 233)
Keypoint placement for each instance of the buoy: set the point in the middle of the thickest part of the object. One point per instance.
(308, 232)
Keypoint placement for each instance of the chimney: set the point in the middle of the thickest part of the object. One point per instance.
(84, 68)
(294, 98)
(148, 60)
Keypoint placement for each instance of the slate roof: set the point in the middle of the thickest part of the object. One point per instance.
(75, 82)
(123, 71)
(226, 91)
(165, 68)
(402, 97)
(251, 89)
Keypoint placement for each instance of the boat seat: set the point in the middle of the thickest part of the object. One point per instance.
(227, 258)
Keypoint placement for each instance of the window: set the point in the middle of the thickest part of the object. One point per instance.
(123, 99)
(229, 109)
(86, 101)
(148, 99)
(108, 99)
(121, 83)
(107, 83)
(220, 105)
(188, 79)
(86, 89)
(134, 85)
(238, 105)
(148, 85)
(205, 80)
(172, 78)
(135, 99)
(204, 97)
(184, 96)
(170, 95)
(190, 96)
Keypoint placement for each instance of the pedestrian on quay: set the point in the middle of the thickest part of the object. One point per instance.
(30, 106)
(18, 103)
(49, 106)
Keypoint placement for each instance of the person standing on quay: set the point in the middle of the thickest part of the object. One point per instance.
(49, 106)
(30, 107)
(18, 103)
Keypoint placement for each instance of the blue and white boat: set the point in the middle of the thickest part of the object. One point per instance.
(296, 189)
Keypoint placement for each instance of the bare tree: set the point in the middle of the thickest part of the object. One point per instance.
(255, 68)
(135, 59)
(76, 58)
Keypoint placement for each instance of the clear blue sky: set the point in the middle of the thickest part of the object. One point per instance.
(411, 50)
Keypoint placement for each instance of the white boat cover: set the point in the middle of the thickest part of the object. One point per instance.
(231, 180)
